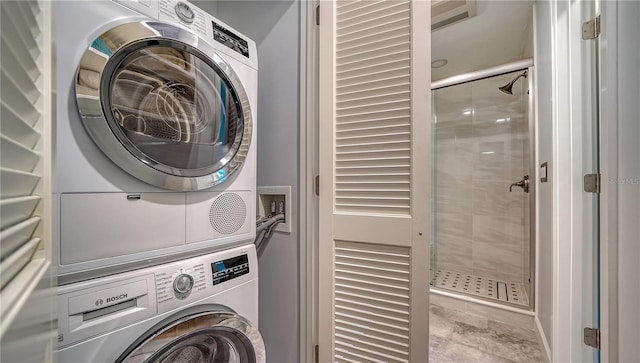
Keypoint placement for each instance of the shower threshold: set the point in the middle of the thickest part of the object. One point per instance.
(494, 289)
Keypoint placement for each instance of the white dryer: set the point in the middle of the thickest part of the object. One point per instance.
(155, 135)
(204, 309)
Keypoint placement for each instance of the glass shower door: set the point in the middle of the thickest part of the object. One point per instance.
(480, 202)
(588, 90)
(433, 247)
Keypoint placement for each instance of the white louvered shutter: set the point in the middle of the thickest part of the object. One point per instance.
(374, 175)
(25, 156)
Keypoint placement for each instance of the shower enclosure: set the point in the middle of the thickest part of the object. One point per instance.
(481, 199)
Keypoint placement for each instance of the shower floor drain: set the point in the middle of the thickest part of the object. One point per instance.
(512, 292)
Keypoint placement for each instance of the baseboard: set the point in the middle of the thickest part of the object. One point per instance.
(542, 340)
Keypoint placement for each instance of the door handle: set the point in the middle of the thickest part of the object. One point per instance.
(524, 184)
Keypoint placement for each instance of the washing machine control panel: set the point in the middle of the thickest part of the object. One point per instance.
(229, 269)
(181, 283)
(190, 280)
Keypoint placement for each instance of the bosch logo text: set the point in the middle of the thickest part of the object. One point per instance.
(116, 298)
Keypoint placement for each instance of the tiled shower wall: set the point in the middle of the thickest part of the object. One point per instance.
(481, 147)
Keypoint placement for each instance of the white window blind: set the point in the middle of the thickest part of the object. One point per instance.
(24, 164)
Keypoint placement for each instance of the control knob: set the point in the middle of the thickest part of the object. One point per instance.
(182, 286)
(184, 12)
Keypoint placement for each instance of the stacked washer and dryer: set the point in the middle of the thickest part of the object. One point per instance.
(155, 183)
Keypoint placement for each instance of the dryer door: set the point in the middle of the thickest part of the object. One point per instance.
(162, 104)
(205, 337)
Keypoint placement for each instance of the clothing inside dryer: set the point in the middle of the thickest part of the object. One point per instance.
(176, 109)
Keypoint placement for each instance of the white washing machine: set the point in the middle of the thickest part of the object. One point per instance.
(204, 309)
(155, 135)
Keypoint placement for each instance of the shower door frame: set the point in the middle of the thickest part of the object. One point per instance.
(524, 64)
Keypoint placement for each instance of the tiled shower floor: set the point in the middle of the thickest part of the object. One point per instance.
(512, 292)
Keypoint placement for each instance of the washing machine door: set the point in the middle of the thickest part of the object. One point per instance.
(205, 337)
(164, 106)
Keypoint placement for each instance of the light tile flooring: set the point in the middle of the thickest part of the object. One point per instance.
(462, 337)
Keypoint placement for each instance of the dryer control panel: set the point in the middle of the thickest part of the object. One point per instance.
(186, 14)
(230, 39)
(214, 31)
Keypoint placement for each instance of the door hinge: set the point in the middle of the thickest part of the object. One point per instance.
(316, 185)
(316, 353)
(317, 15)
(592, 183)
(592, 337)
(591, 28)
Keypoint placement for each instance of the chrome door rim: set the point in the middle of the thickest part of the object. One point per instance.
(225, 322)
(95, 116)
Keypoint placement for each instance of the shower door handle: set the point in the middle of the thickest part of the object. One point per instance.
(524, 184)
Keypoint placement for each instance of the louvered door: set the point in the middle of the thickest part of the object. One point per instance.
(374, 173)
(25, 156)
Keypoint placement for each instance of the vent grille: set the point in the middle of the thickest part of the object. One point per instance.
(447, 12)
(372, 302)
(228, 213)
(373, 107)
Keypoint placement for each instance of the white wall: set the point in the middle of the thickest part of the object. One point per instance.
(274, 26)
(544, 107)
(628, 179)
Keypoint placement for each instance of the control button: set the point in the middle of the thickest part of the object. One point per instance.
(182, 286)
(184, 12)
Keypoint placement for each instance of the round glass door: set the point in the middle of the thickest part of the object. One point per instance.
(174, 110)
(171, 114)
(203, 338)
